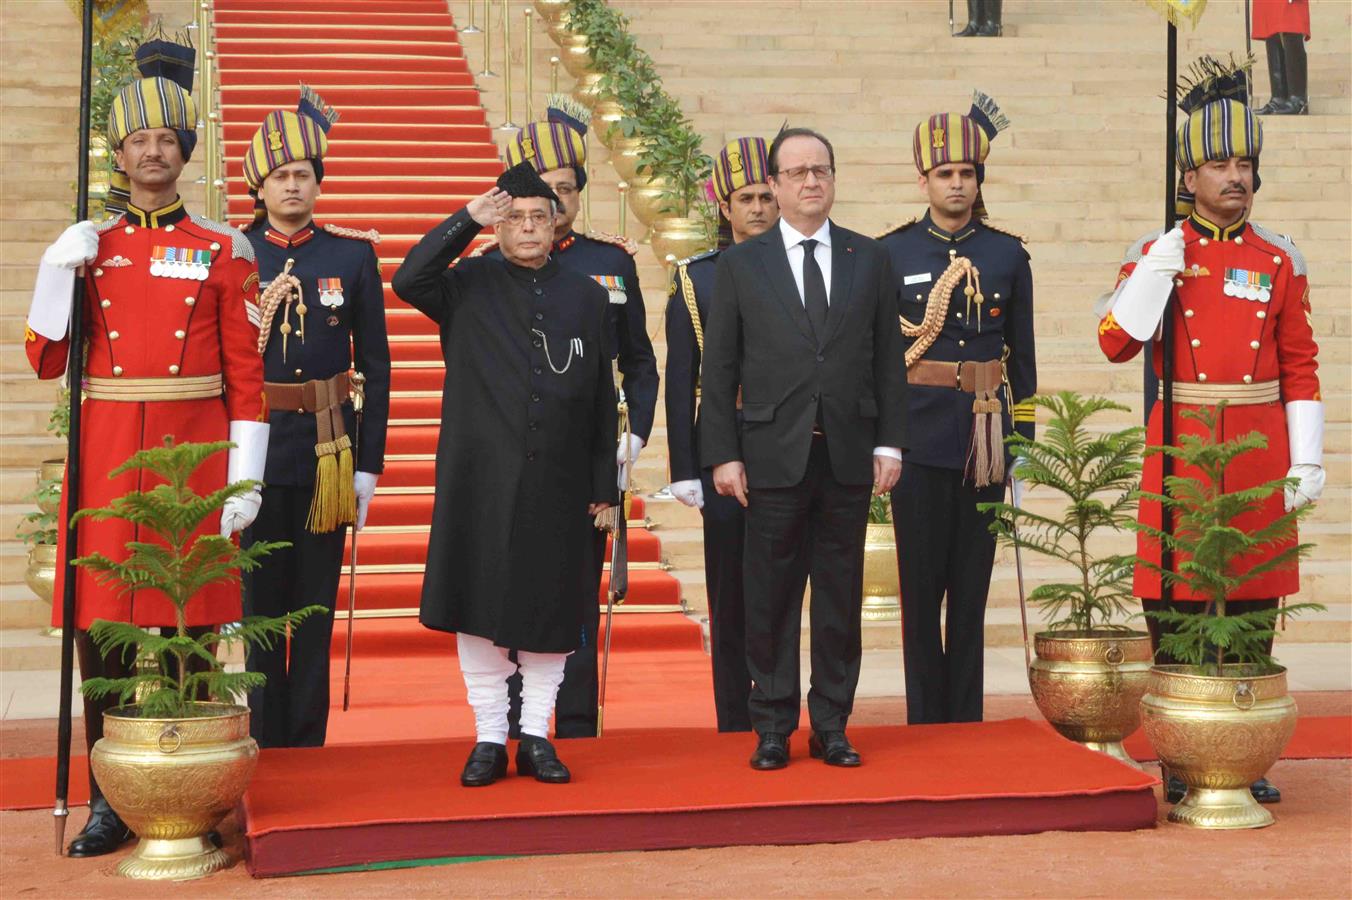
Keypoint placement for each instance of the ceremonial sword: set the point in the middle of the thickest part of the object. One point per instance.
(1018, 570)
(358, 402)
(619, 559)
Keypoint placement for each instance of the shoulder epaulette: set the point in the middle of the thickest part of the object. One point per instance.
(484, 248)
(240, 248)
(697, 257)
(998, 230)
(1283, 243)
(629, 245)
(897, 230)
(108, 224)
(372, 236)
(1135, 251)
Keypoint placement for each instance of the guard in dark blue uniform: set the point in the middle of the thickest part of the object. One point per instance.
(557, 150)
(748, 207)
(323, 309)
(966, 305)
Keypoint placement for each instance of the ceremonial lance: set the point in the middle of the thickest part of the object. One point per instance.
(619, 559)
(358, 404)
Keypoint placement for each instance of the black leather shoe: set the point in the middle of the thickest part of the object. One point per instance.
(1265, 791)
(1174, 788)
(536, 756)
(772, 751)
(833, 748)
(486, 764)
(103, 833)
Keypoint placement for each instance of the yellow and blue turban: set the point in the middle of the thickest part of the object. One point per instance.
(740, 163)
(557, 142)
(160, 98)
(287, 136)
(948, 138)
(1220, 124)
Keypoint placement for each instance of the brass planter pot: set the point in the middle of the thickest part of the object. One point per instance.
(676, 237)
(574, 53)
(882, 584)
(587, 89)
(1219, 733)
(558, 28)
(1089, 685)
(40, 576)
(606, 114)
(551, 10)
(624, 157)
(646, 200)
(172, 781)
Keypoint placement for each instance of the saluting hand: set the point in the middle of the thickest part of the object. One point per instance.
(491, 208)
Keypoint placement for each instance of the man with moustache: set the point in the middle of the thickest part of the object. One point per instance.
(748, 206)
(971, 367)
(323, 310)
(526, 456)
(1243, 335)
(803, 323)
(170, 324)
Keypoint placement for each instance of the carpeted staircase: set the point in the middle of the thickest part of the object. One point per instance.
(412, 146)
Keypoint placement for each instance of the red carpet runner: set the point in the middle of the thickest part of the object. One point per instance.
(412, 147)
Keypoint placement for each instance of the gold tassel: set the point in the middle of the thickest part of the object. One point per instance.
(986, 454)
(324, 504)
(347, 497)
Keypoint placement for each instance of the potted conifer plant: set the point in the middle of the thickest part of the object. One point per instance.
(1221, 718)
(176, 756)
(1089, 671)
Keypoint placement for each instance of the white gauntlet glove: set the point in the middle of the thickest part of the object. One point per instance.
(691, 493)
(49, 314)
(1140, 300)
(77, 245)
(1305, 436)
(364, 486)
(635, 445)
(246, 463)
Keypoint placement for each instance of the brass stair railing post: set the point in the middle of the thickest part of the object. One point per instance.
(488, 44)
(471, 28)
(213, 163)
(507, 123)
(530, 65)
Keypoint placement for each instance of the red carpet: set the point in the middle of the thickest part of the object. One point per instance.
(412, 146)
(668, 788)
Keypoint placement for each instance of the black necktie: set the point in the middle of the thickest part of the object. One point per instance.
(814, 290)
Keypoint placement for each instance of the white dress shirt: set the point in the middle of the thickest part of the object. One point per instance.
(793, 246)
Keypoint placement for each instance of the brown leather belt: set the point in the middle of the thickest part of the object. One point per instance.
(309, 396)
(967, 376)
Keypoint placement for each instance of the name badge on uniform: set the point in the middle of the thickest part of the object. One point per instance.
(919, 278)
(615, 285)
(180, 262)
(331, 292)
(1248, 285)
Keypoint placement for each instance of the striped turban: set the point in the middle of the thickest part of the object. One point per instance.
(286, 137)
(739, 164)
(160, 98)
(1220, 124)
(558, 142)
(948, 138)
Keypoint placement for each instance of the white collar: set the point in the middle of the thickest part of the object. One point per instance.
(793, 238)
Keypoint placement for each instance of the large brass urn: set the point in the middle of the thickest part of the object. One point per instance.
(676, 237)
(882, 585)
(1088, 685)
(624, 156)
(172, 781)
(1219, 734)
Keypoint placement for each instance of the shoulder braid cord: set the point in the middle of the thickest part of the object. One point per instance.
(284, 288)
(688, 295)
(936, 308)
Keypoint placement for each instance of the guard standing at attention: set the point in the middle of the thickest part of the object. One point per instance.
(323, 310)
(966, 304)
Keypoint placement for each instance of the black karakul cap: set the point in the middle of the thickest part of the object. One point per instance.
(521, 180)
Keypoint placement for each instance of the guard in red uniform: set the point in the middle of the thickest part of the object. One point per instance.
(170, 321)
(1243, 331)
(1284, 26)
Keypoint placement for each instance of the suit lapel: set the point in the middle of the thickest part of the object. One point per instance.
(842, 280)
(776, 262)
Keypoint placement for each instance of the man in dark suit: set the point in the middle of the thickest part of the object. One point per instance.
(804, 323)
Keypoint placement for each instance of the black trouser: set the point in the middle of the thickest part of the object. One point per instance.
(117, 665)
(944, 549)
(815, 528)
(292, 709)
(1232, 608)
(724, 540)
(575, 708)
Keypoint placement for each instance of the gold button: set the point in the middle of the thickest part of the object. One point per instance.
(98, 273)
(959, 315)
(919, 296)
(117, 370)
(1254, 345)
(1248, 379)
(113, 335)
(1262, 313)
(105, 303)
(996, 296)
(1204, 242)
(129, 230)
(173, 370)
(190, 300)
(1239, 239)
(1188, 314)
(1277, 260)
(1197, 342)
(215, 246)
(298, 373)
(179, 334)
(168, 228)
(1201, 376)
(962, 343)
(1178, 282)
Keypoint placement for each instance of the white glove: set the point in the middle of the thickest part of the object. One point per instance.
(635, 445)
(246, 462)
(77, 245)
(1139, 302)
(239, 512)
(691, 493)
(1310, 487)
(364, 486)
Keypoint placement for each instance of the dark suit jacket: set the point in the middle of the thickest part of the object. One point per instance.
(856, 371)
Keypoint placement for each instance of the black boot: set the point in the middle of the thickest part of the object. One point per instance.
(103, 833)
(973, 19)
(991, 24)
(1280, 102)
(486, 764)
(1265, 791)
(1297, 81)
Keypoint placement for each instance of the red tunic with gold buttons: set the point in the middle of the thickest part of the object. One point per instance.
(195, 314)
(1242, 318)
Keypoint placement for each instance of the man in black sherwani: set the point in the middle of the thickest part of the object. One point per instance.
(526, 453)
